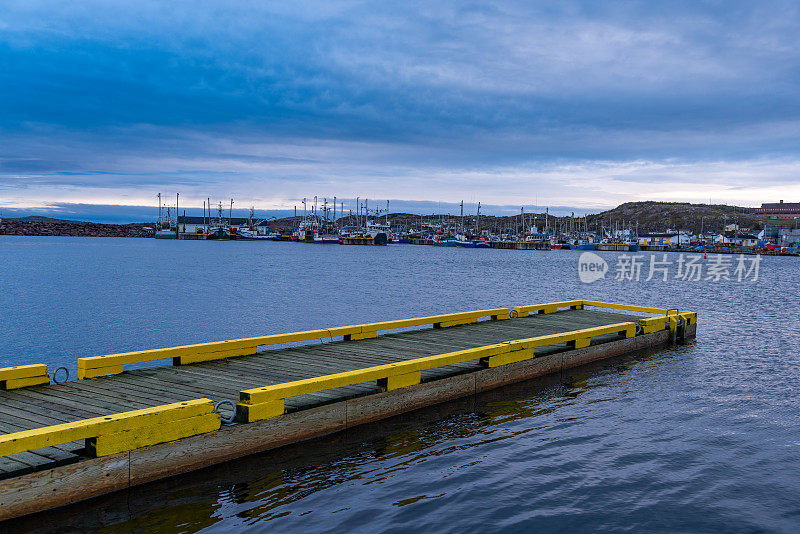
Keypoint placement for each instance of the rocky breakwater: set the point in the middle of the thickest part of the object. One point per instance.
(73, 228)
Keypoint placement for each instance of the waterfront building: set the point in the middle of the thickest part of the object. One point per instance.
(779, 209)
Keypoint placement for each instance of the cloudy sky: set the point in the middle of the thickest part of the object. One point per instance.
(581, 106)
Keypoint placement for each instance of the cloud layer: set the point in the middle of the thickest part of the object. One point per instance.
(578, 104)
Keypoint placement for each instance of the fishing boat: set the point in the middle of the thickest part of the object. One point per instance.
(582, 244)
(317, 226)
(380, 233)
(326, 238)
(166, 225)
(253, 231)
(464, 241)
(257, 234)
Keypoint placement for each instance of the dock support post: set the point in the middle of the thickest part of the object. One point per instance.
(508, 357)
(400, 381)
(248, 413)
(580, 343)
(362, 335)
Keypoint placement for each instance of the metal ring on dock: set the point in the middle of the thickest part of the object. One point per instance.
(66, 377)
(639, 329)
(226, 420)
(513, 314)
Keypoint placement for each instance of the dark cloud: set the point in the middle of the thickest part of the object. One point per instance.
(106, 96)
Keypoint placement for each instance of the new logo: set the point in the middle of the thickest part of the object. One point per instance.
(591, 267)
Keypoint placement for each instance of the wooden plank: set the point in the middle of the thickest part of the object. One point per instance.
(66, 406)
(171, 381)
(62, 485)
(131, 393)
(92, 396)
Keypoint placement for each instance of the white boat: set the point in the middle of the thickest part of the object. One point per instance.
(257, 234)
(379, 233)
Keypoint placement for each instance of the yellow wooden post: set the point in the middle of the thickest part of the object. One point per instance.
(508, 357)
(248, 413)
(400, 381)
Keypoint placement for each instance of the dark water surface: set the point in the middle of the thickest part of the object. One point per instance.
(695, 438)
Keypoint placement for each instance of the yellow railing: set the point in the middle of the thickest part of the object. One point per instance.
(21, 376)
(95, 366)
(267, 402)
(121, 432)
(668, 318)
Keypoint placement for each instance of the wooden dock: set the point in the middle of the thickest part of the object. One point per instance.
(115, 428)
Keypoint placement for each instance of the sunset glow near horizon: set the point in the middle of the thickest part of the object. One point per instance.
(577, 106)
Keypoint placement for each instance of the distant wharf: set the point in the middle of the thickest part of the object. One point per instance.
(114, 428)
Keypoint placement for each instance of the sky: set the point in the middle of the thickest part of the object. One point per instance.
(579, 106)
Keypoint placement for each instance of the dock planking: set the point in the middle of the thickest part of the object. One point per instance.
(38, 406)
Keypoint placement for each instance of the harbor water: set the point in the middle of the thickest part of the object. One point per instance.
(700, 437)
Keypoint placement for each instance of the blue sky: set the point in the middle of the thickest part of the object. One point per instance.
(580, 105)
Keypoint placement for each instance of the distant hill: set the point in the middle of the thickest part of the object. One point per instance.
(654, 216)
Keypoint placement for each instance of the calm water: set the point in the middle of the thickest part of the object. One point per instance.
(697, 438)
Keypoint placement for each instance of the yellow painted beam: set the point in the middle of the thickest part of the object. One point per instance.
(380, 372)
(94, 372)
(563, 337)
(94, 366)
(209, 356)
(509, 357)
(23, 371)
(90, 428)
(17, 383)
(312, 385)
(137, 438)
(548, 307)
(625, 307)
(434, 319)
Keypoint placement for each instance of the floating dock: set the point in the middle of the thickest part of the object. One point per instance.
(521, 245)
(115, 428)
(362, 241)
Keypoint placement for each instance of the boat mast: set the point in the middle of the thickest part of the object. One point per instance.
(478, 221)
(461, 221)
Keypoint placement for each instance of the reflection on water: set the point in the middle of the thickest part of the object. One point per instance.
(700, 437)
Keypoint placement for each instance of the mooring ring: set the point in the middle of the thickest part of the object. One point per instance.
(66, 375)
(513, 314)
(226, 420)
(639, 329)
